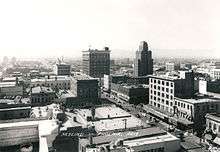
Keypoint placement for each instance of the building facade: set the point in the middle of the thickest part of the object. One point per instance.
(10, 89)
(15, 112)
(143, 63)
(96, 63)
(215, 74)
(133, 94)
(84, 86)
(168, 102)
(170, 66)
(54, 82)
(62, 69)
(42, 95)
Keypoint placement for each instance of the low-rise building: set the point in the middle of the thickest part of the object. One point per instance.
(10, 89)
(55, 82)
(18, 132)
(14, 111)
(42, 95)
(186, 114)
(149, 139)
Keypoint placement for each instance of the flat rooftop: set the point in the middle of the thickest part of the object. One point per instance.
(213, 116)
(52, 78)
(134, 86)
(42, 89)
(16, 108)
(9, 79)
(7, 84)
(154, 131)
(81, 76)
(108, 118)
(200, 99)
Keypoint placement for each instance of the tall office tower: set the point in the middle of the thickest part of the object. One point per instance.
(143, 64)
(96, 63)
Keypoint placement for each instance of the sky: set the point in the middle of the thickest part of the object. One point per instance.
(31, 28)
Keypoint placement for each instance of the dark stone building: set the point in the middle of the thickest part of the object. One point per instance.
(143, 64)
(96, 63)
(133, 94)
(42, 95)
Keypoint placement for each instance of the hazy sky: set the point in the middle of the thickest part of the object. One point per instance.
(66, 27)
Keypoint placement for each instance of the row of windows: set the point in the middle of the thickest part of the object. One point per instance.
(39, 99)
(207, 107)
(213, 126)
(163, 95)
(183, 105)
(169, 103)
(162, 107)
(162, 82)
(161, 88)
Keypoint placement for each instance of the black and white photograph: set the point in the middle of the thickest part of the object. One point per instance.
(109, 75)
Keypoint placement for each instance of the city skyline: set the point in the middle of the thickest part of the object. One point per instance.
(59, 28)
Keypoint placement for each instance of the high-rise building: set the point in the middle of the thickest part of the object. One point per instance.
(96, 63)
(143, 64)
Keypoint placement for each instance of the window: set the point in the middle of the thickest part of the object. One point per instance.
(171, 90)
(167, 83)
(171, 84)
(214, 126)
(167, 102)
(167, 89)
(171, 104)
(171, 97)
(181, 105)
